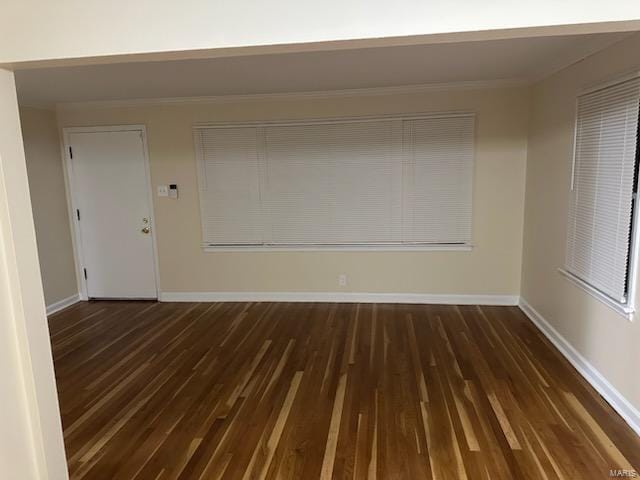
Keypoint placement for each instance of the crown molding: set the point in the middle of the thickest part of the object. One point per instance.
(318, 94)
(38, 106)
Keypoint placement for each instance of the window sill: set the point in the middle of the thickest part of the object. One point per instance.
(626, 311)
(340, 248)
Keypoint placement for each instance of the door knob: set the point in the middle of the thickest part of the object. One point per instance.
(145, 230)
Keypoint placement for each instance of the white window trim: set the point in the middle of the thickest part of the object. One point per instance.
(396, 247)
(628, 308)
(404, 247)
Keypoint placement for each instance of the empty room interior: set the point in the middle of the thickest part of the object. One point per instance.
(346, 245)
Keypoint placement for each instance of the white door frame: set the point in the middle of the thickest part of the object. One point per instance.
(73, 202)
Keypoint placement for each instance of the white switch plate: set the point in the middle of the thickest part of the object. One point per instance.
(163, 190)
(342, 280)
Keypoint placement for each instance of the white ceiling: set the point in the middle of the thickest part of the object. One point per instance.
(526, 59)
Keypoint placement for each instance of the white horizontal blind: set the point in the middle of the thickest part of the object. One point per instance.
(229, 186)
(332, 183)
(353, 182)
(439, 179)
(600, 210)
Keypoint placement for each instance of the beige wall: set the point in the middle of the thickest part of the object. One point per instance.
(48, 197)
(607, 340)
(492, 268)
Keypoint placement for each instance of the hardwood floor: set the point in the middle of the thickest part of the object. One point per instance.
(307, 391)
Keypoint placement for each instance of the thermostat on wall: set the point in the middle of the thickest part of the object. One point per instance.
(173, 190)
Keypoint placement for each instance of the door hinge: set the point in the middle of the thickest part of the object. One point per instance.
(70, 152)
(85, 273)
(78, 213)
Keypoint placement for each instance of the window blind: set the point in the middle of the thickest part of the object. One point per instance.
(332, 184)
(229, 186)
(376, 181)
(438, 180)
(603, 185)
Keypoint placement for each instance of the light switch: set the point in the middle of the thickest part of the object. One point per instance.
(163, 190)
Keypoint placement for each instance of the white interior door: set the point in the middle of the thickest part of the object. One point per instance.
(111, 195)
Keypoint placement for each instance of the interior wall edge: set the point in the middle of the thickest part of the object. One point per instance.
(43, 455)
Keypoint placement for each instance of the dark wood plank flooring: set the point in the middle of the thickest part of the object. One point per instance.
(308, 391)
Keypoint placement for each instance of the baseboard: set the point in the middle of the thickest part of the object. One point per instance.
(62, 304)
(620, 404)
(333, 297)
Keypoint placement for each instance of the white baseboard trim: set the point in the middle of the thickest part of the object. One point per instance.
(62, 304)
(333, 297)
(620, 404)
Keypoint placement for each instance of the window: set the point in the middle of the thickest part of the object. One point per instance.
(343, 183)
(603, 191)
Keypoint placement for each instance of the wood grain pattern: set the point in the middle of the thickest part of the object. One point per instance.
(313, 390)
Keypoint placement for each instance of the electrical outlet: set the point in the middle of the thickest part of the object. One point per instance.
(342, 280)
